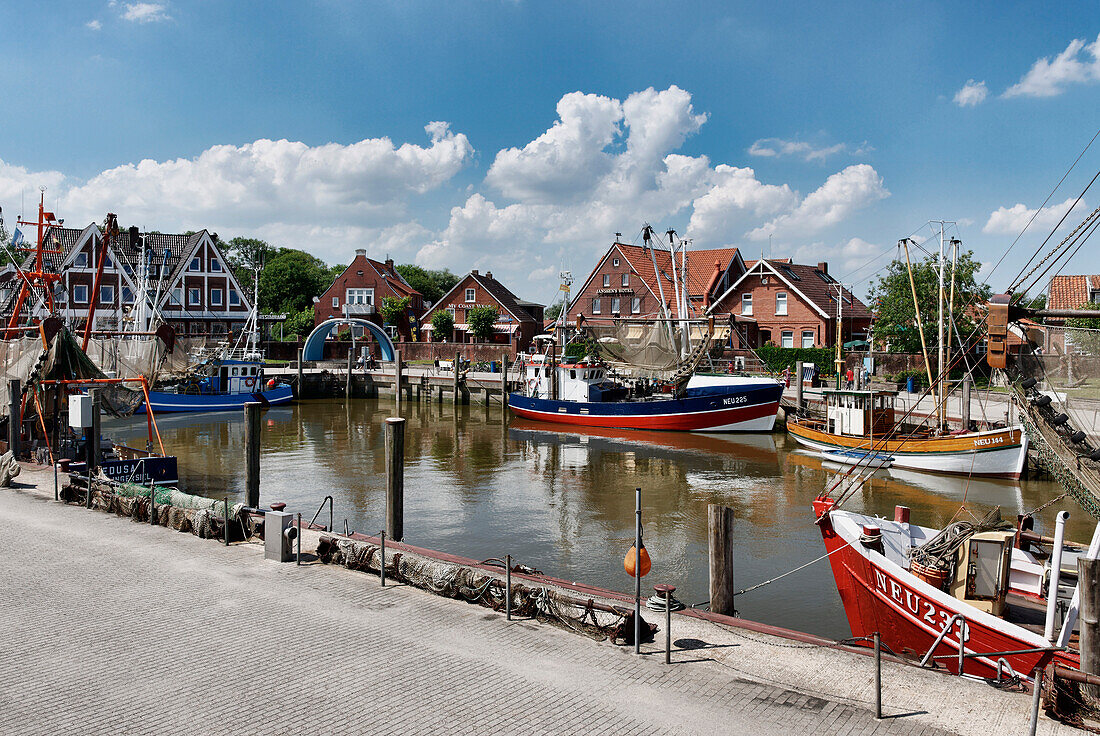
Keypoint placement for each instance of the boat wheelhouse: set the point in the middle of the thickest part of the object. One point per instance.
(867, 422)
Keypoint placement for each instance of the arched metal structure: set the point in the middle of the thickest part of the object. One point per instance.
(314, 348)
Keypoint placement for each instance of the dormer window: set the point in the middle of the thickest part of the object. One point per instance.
(1094, 297)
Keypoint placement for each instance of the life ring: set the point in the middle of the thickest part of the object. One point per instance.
(250, 381)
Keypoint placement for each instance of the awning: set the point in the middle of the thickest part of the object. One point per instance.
(856, 344)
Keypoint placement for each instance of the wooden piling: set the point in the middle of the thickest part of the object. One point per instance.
(397, 371)
(300, 350)
(347, 384)
(720, 542)
(798, 386)
(395, 478)
(252, 453)
(1088, 586)
(454, 371)
(504, 386)
(965, 409)
(15, 419)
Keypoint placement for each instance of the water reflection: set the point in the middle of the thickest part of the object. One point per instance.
(563, 501)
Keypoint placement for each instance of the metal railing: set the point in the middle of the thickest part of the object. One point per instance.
(328, 500)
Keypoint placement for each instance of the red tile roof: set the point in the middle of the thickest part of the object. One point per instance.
(1070, 292)
(700, 269)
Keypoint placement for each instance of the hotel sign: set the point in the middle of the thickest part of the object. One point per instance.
(613, 292)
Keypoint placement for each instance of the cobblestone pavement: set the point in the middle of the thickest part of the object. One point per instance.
(114, 627)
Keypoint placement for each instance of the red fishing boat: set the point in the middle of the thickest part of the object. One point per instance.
(991, 596)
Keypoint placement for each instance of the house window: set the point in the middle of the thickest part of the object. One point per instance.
(471, 296)
(636, 305)
(335, 302)
(81, 260)
(193, 297)
(215, 265)
(127, 295)
(80, 293)
(786, 339)
(626, 279)
(217, 328)
(195, 265)
(107, 262)
(746, 304)
(196, 328)
(106, 295)
(615, 262)
(615, 305)
(174, 297)
(234, 298)
(595, 306)
(128, 269)
(359, 296)
(216, 297)
(607, 279)
(454, 313)
(780, 303)
(807, 338)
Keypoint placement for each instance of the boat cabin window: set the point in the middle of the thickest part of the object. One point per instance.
(572, 373)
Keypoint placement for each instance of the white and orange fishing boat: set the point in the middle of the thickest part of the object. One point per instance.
(991, 594)
(866, 421)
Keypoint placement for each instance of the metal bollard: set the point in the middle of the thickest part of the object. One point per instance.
(298, 539)
(667, 590)
(878, 676)
(962, 646)
(225, 519)
(382, 564)
(1037, 683)
(508, 588)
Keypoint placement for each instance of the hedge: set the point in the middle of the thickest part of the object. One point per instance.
(776, 359)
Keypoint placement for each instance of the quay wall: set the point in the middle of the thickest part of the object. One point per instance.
(410, 351)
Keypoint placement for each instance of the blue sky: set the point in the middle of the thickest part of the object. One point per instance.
(519, 136)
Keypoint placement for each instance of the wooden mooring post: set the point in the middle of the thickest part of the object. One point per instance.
(1088, 586)
(455, 372)
(798, 386)
(395, 478)
(300, 350)
(964, 412)
(397, 371)
(15, 420)
(504, 386)
(720, 543)
(252, 453)
(347, 384)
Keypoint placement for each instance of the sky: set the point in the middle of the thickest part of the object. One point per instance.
(519, 137)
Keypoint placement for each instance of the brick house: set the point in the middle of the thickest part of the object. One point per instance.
(625, 284)
(360, 289)
(518, 321)
(790, 305)
(189, 282)
(1068, 292)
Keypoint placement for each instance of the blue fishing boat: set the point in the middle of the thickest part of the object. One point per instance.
(221, 384)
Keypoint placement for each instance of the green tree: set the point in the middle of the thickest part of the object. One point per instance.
(1086, 338)
(289, 281)
(892, 300)
(481, 321)
(553, 311)
(298, 324)
(431, 284)
(443, 324)
(395, 311)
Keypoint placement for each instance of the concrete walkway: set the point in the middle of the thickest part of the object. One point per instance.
(115, 627)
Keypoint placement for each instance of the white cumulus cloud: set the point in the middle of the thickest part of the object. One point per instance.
(94, 25)
(843, 193)
(145, 12)
(777, 147)
(1012, 220)
(1078, 64)
(972, 94)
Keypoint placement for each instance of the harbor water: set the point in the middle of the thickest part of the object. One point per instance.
(562, 500)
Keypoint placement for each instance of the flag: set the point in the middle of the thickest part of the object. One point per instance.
(17, 238)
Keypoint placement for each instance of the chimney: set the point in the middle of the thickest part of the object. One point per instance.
(360, 252)
(823, 267)
(488, 274)
(475, 273)
(389, 264)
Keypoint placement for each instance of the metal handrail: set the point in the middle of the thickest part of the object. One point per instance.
(947, 628)
(328, 500)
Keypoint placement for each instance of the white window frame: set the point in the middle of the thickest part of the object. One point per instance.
(109, 290)
(471, 295)
(197, 293)
(216, 297)
(195, 265)
(614, 262)
(79, 289)
(127, 295)
(780, 301)
(746, 304)
(626, 279)
(607, 280)
(175, 297)
(615, 303)
(215, 265)
(597, 307)
(234, 298)
(359, 296)
(335, 302)
(808, 336)
(636, 305)
(81, 260)
(786, 336)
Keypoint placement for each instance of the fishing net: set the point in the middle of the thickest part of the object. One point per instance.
(19, 358)
(127, 358)
(204, 517)
(483, 588)
(649, 348)
(67, 362)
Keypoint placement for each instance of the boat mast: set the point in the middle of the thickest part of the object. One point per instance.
(647, 240)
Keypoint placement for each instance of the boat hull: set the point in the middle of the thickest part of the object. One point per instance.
(170, 402)
(909, 613)
(749, 410)
(997, 453)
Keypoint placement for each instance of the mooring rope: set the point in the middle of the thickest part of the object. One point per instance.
(791, 572)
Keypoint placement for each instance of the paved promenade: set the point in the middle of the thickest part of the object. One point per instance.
(115, 627)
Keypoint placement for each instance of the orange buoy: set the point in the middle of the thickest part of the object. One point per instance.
(628, 562)
(271, 383)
